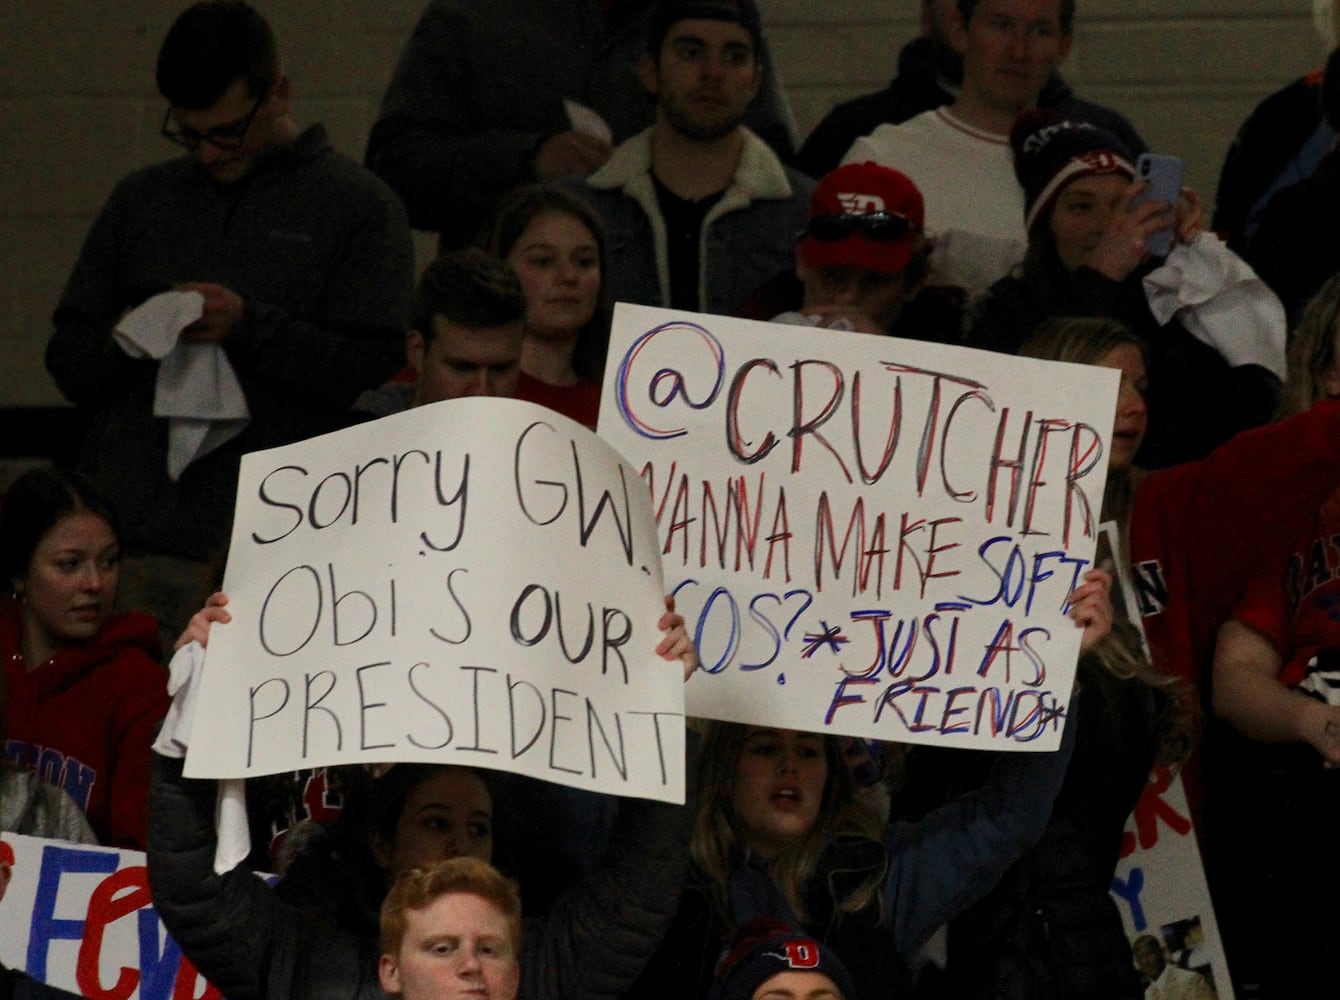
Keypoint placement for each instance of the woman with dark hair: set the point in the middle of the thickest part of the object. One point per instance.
(84, 689)
(779, 832)
(1088, 253)
(315, 936)
(556, 246)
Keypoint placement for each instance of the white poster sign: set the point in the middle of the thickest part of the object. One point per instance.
(868, 535)
(473, 582)
(1161, 891)
(80, 918)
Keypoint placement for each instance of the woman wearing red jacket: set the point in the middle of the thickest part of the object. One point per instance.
(85, 690)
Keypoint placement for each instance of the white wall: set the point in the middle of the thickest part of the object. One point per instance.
(78, 107)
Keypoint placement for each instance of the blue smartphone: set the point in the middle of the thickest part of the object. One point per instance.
(1164, 176)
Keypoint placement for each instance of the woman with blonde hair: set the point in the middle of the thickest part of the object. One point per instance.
(1050, 928)
(1106, 343)
(778, 832)
(1314, 374)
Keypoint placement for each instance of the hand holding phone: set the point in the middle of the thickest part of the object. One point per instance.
(1163, 177)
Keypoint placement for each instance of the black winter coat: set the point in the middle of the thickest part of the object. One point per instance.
(315, 936)
(1050, 929)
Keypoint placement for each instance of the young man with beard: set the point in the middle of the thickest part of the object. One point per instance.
(698, 211)
(481, 103)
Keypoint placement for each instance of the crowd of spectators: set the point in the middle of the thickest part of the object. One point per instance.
(259, 289)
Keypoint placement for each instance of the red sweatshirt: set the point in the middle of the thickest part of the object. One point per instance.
(1202, 532)
(85, 719)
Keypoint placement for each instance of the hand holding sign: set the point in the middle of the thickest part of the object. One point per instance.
(472, 582)
(868, 536)
(676, 645)
(197, 629)
(1091, 607)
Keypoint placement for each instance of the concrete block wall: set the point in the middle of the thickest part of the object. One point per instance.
(78, 108)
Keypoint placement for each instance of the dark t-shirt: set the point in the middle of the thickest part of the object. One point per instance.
(683, 240)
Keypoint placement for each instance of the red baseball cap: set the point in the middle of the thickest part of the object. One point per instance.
(863, 215)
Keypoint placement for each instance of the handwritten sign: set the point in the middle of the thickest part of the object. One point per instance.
(80, 918)
(474, 582)
(1160, 885)
(869, 536)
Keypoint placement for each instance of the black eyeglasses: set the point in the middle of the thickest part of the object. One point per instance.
(227, 137)
(881, 226)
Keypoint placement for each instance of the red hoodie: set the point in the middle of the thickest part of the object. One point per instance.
(85, 719)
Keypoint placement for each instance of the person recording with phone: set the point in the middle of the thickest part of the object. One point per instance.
(1092, 229)
(1159, 180)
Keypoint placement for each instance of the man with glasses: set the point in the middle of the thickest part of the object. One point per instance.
(305, 265)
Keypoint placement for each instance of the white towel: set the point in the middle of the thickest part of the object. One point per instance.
(197, 389)
(1218, 298)
(174, 738)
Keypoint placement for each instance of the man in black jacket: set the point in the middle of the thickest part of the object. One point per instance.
(304, 263)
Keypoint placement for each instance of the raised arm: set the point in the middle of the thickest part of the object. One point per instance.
(226, 924)
(952, 856)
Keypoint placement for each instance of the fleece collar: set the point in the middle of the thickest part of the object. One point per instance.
(760, 174)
